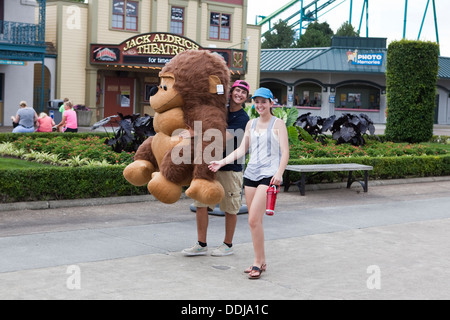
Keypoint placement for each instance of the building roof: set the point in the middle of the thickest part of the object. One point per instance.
(444, 68)
(332, 59)
(274, 60)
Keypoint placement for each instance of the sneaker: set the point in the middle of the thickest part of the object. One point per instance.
(196, 250)
(222, 250)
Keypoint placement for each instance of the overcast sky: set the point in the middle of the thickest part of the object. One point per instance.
(386, 18)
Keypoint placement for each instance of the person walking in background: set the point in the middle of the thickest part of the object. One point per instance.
(229, 176)
(69, 120)
(267, 140)
(45, 123)
(25, 119)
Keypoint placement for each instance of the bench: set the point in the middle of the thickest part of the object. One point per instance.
(303, 169)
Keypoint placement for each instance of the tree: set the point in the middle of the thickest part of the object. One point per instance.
(316, 35)
(347, 30)
(281, 37)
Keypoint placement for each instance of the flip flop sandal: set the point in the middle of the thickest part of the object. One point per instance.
(249, 269)
(255, 273)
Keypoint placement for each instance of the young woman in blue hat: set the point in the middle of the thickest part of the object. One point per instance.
(267, 140)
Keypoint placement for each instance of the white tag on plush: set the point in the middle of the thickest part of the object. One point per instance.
(220, 89)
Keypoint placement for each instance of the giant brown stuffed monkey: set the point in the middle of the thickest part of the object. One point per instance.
(193, 90)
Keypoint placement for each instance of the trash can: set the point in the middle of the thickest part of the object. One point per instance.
(53, 110)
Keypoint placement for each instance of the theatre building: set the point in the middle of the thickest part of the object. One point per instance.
(110, 52)
(348, 77)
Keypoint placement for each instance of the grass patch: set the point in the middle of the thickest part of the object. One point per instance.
(11, 163)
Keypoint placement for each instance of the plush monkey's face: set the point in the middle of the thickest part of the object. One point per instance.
(167, 97)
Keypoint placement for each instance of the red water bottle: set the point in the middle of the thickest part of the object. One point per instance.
(271, 199)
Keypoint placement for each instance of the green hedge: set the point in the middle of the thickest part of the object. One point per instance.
(411, 75)
(60, 183)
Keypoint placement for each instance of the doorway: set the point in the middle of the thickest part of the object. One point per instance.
(119, 96)
(39, 105)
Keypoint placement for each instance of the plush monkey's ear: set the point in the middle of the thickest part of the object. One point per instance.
(215, 85)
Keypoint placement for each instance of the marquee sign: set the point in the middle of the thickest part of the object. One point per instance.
(155, 50)
(144, 49)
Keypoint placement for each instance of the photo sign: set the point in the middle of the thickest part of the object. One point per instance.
(370, 59)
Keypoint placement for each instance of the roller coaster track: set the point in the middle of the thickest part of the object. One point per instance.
(300, 18)
(307, 13)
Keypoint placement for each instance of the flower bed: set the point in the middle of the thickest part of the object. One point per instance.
(88, 146)
(373, 148)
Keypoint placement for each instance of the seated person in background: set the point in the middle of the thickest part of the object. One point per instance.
(69, 120)
(45, 123)
(25, 119)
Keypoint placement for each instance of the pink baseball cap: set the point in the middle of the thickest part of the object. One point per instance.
(241, 84)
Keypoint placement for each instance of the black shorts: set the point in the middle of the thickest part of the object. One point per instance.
(71, 130)
(255, 184)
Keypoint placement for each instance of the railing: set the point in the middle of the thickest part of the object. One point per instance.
(19, 33)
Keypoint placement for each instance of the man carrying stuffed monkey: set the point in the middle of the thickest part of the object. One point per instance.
(230, 177)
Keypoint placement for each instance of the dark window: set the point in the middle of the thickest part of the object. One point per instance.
(177, 21)
(125, 15)
(220, 26)
(357, 97)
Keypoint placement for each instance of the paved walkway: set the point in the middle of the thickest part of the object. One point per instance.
(389, 243)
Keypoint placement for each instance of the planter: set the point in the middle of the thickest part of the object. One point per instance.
(84, 118)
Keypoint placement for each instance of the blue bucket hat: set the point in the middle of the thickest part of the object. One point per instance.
(263, 93)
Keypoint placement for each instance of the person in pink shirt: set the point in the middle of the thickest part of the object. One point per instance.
(69, 120)
(44, 123)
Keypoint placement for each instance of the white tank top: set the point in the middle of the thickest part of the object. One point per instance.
(265, 152)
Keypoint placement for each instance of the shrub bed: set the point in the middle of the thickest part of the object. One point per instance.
(57, 183)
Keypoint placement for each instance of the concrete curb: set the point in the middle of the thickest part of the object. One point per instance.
(54, 204)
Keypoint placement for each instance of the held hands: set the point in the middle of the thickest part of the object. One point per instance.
(214, 166)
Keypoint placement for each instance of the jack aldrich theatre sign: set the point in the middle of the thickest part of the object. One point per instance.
(155, 50)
